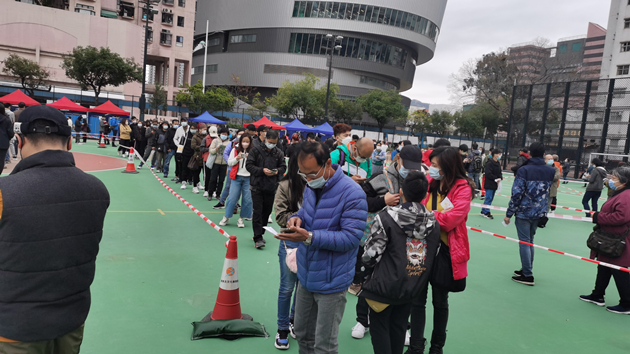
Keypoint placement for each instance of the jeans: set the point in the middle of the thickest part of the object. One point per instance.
(475, 177)
(388, 329)
(288, 283)
(489, 199)
(167, 161)
(591, 196)
(226, 189)
(526, 229)
(240, 186)
(317, 319)
(440, 319)
(622, 280)
(263, 205)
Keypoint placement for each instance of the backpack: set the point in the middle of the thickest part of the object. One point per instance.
(477, 164)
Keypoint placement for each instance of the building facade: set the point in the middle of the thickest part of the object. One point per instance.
(616, 44)
(45, 34)
(281, 40)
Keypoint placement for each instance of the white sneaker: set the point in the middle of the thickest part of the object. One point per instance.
(195, 190)
(269, 221)
(200, 186)
(407, 338)
(224, 221)
(240, 223)
(358, 331)
(551, 213)
(183, 185)
(205, 194)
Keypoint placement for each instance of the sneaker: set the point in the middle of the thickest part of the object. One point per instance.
(165, 176)
(178, 181)
(269, 221)
(209, 197)
(240, 223)
(183, 185)
(248, 219)
(195, 190)
(518, 273)
(259, 244)
(282, 340)
(174, 179)
(524, 280)
(119, 154)
(407, 338)
(152, 167)
(597, 301)
(238, 206)
(487, 215)
(354, 289)
(619, 309)
(205, 194)
(158, 170)
(140, 166)
(220, 205)
(359, 331)
(292, 330)
(224, 221)
(200, 186)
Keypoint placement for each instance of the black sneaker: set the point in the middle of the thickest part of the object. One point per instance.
(174, 179)
(259, 244)
(487, 215)
(619, 309)
(282, 340)
(219, 206)
(524, 280)
(238, 206)
(597, 301)
(292, 330)
(518, 273)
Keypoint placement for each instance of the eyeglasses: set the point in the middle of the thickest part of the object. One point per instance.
(310, 175)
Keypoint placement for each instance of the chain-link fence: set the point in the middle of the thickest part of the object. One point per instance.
(573, 120)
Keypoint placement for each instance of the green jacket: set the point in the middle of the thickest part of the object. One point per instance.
(350, 163)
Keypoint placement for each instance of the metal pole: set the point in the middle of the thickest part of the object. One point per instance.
(527, 109)
(205, 57)
(545, 113)
(611, 89)
(563, 122)
(509, 130)
(143, 101)
(329, 73)
(578, 158)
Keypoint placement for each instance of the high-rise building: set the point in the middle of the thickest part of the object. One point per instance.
(616, 44)
(46, 33)
(268, 42)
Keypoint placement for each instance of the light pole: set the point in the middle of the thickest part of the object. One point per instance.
(338, 39)
(205, 55)
(147, 10)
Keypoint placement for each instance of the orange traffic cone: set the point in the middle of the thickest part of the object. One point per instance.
(228, 304)
(102, 142)
(131, 166)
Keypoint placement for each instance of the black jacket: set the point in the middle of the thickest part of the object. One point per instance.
(170, 135)
(519, 162)
(50, 229)
(6, 132)
(260, 158)
(493, 171)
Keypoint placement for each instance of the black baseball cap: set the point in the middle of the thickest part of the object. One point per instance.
(58, 121)
(412, 157)
(262, 128)
(251, 127)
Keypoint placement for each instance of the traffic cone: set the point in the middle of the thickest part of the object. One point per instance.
(131, 166)
(228, 304)
(102, 142)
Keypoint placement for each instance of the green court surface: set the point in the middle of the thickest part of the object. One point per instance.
(159, 266)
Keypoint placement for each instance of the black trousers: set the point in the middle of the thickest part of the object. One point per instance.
(263, 205)
(216, 179)
(178, 165)
(388, 329)
(124, 142)
(3, 155)
(622, 280)
(187, 173)
(363, 312)
(440, 319)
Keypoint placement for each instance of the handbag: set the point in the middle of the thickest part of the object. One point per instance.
(193, 163)
(607, 243)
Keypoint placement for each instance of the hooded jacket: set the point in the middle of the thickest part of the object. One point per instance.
(530, 190)
(399, 253)
(520, 161)
(596, 181)
(493, 172)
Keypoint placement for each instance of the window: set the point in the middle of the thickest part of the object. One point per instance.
(167, 18)
(213, 42)
(362, 10)
(625, 46)
(180, 21)
(321, 12)
(328, 13)
(576, 47)
(356, 9)
(626, 23)
(335, 10)
(246, 38)
(168, 2)
(150, 34)
(375, 13)
(296, 9)
(377, 83)
(179, 41)
(623, 69)
(368, 13)
(181, 3)
(212, 68)
(144, 15)
(562, 48)
(85, 9)
(342, 10)
(166, 38)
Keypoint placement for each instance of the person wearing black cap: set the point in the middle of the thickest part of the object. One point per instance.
(261, 132)
(52, 218)
(6, 134)
(251, 130)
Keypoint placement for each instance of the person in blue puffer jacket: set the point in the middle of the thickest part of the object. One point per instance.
(329, 227)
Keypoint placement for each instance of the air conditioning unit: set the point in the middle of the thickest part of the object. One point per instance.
(168, 11)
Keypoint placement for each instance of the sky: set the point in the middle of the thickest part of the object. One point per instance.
(472, 28)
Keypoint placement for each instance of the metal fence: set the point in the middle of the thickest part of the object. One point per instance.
(573, 120)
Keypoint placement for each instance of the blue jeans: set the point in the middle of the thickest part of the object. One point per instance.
(237, 187)
(167, 161)
(226, 188)
(488, 201)
(475, 177)
(526, 229)
(288, 283)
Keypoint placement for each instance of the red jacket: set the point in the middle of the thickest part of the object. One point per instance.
(454, 222)
(615, 217)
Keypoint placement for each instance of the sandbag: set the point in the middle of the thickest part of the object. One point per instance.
(228, 329)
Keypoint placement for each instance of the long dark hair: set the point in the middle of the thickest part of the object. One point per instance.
(240, 143)
(296, 182)
(452, 168)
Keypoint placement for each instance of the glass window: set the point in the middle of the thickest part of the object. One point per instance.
(348, 11)
(361, 53)
(414, 21)
(398, 19)
(403, 22)
(387, 16)
(626, 23)
(311, 43)
(296, 8)
(355, 12)
(292, 43)
(387, 51)
(179, 41)
(375, 14)
(408, 25)
(315, 8)
(362, 12)
(381, 15)
(309, 9)
(625, 46)
(392, 19)
(374, 48)
(213, 42)
(576, 47)
(181, 3)
(422, 29)
(302, 9)
(562, 48)
(304, 43)
(368, 48)
(352, 51)
(298, 43)
(321, 12)
(335, 10)
(623, 69)
(368, 13)
(317, 48)
(344, 47)
(342, 11)
(180, 21)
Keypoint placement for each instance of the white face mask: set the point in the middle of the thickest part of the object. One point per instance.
(165, 126)
(346, 141)
(245, 145)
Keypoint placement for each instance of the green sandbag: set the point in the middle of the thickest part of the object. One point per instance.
(228, 329)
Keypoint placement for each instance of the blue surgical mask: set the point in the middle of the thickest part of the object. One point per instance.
(224, 137)
(435, 173)
(270, 146)
(550, 162)
(317, 183)
(184, 124)
(499, 157)
(193, 131)
(175, 126)
(403, 172)
(611, 184)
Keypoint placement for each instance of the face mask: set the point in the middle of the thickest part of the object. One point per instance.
(204, 132)
(270, 146)
(550, 162)
(193, 131)
(176, 126)
(140, 125)
(184, 124)
(611, 184)
(165, 126)
(154, 125)
(499, 157)
(403, 172)
(245, 145)
(435, 173)
(224, 137)
(346, 140)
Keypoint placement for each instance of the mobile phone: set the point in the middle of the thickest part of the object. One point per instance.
(286, 230)
(275, 170)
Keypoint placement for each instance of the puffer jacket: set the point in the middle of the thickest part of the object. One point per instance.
(454, 223)
(596, 181)
(337, 222)
(615, 217)
(530, 190)
(198, 145)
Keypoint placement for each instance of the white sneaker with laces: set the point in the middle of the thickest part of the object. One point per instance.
(407, 338)
(224, 221)
(240, 223)
(183, 185)
(205, 194)
(200, 186)
(195, 190)
(269, 221)
(359, 331)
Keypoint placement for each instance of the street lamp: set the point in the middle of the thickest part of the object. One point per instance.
(205, 55)
(338, 39)
(147, 9)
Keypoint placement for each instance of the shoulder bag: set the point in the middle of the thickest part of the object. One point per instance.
(607, 243)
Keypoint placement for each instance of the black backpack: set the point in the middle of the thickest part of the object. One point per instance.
(476, 164)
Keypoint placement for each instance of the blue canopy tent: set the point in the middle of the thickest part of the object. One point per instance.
(207, 118)
(324, 129)
(297, 126)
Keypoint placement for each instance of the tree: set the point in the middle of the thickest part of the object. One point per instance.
(242, 93)
(346, 111)
(467, 124)
(96, 68)
(418, 121)
(439, 122)
(382, 106)
(27, 72)
(258, 106)
(159, 100)
(214, 99)
(302, 98)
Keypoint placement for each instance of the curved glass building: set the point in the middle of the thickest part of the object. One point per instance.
(267, 42)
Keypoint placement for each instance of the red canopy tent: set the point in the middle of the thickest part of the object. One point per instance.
(65, 104)
(18, 96)
(267, 122)
(109, 108)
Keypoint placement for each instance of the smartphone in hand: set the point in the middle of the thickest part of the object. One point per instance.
(286, 230)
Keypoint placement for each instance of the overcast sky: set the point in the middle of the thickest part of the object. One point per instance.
(472, 28)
